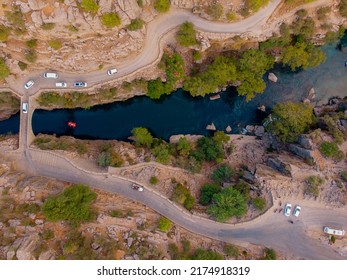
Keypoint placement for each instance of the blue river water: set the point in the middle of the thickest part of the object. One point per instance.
(179, 113)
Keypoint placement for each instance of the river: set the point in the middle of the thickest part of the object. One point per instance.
(179, 113)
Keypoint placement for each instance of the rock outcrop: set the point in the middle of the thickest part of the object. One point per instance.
(211, 126)
(272, 77)
(280, 166)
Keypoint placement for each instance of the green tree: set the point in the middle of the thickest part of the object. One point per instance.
(256, 61)
(182, 196)
(289, 120)
(162, 6)
(73, 205)
(161, 153)
(183, 147)
(111, 20)
(250, 85)
(220, 137)
(135, 24)
(174, 68)
(164, 224)
(156, 88)
(226, 204)
(202, 254)
(259, 203)
(89, 6)
(186, 35)
(215, 10)
(142, 136)
(4, 71)
(223, 174)
(209, 150)
(207, 191)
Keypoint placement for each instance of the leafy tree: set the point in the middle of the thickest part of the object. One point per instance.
(161, 153)
(223, 174)
(136, 24)
(207, 191)
(73, 205)
(202, 254)
(142, 136)
(183, 147)
(186, 35)
(256, 61)
(111, 20)
(156, 88)
(182, 196)
(209, 150)
(153, 180)
(250, 85)
(220, 137)
(174, 68)
(229, 202)
(164, 224)
(259, 203)
(244, 189)
(89, 6)
(289, 120)
(215, 10)
(4, 71)
(4, 33)
(162, 6)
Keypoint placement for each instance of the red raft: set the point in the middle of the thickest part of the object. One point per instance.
(71, 124)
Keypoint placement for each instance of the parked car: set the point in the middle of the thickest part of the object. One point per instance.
(51, 75)
(112, 71)
(287, 209)
(29, 84)
(80, 84)
(25, 108)
(137, 187)
(61, 84)
(297, 210)
(334, 231)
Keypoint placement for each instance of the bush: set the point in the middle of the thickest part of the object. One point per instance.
(215, 11)
(231, 250)
(73, 205)
(55, 44)
(223, 174)
(197, 56)
(109, 157)
(117, 213)
(156, 88)
(16, 19)
(343, 175)
(89, 6)
(259, 203)
(331, 150)
(186, 35)
(182, 196)
(31, 56)
(270, 254)
(153, 180)
(4, 71)
(183, 147)
(32, 43)
(202, 254)
(322, 12)
(315, 181)
(4, 32)
(164, 224)
(28, 208)
(142, 136)
(136, 24)
(208, 149)
(343, 8)
(312, 190)
(111, 20)
(207, 192)
(162, 6)
(231, 16)
(48, 26)
(174, 68)
(47, 234)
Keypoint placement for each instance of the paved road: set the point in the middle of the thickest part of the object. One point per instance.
(156, 29)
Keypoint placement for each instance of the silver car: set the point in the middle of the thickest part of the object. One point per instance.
(287, 209)
(29, 84)
(297, 210)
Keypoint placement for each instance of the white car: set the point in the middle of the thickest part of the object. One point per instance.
(137, 187)
(287, 209)
(25, 108)
(29, 84)
(297, 210)
(334, 231)
(61, 84)
(112, 71)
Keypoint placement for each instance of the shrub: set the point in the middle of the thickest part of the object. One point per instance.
(322, 12)
(32, 43)
(270, 254)
(55, 44)
(183, 147)
(331, 150)
(223, 174)
(140, 3)
(156, 88)
(343, 175)
(162, 6)
(16, 19)
(231, 250)
(231, 16)
(89, 6)
(312, 190)
(73, 205)
(117, 213)
(153, 180)
(202, 254)
(343, 8)
(207, 192)
(48, 26)
(215, 11)
(4, 71)
(182, 196)
(111, 20)
(47, 234)
(259, 203)
(186, 35)
(208, 149)
(72, 28)
(174, 68)
(197, 56)
(332, 239)
(28, 207)
(4, 32)
(164, 224)
(136, 24)
(315, 181)
(31, 56)
(142, 136)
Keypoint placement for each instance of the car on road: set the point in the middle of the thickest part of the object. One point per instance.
(297, 211)
(25, 108)
(287, 209)
(29, 84)
(112, 71)
(61, 84)
(50, 75)
(334, 231)
(137, 187)
(80, 84)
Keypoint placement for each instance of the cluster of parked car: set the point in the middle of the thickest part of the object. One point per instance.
(288, 210)
(52, 75)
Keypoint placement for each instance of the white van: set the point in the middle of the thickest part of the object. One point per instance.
(329, 230)
(51, 75)
(61, 84)
(112, 71)
(25, 108)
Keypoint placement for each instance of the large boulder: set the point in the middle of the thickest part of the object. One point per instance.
(280, 166)
(272, 77)
(301, 152)
(27, 248)
(305, 142)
